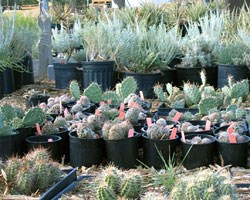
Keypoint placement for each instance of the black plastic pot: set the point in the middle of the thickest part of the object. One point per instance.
(145, 81)
(101, 72)
(151, 147)
(1, 85)
(192, 74)
(54, 147)
(24, 133)
(64, 74)
(197, 155)
(239, 72)
(9, 145)
(85, 152)
(9, 85)
(28, 76)
(32, 101)
(18, 79)
(124, 152)
(169, 76)
(233, 154)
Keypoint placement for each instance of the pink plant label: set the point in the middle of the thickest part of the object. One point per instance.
(66, 112)
(142, 96)
(109, 101)
(131, 133)
(38, 129)
(122, 106)
(121, 115)
(50, 140)
(230, 130)
(232, 138)
(61, 107)
(183, 136)
(97, 112)
(177, 117)
(173, 133)
(149, 121)
(102, 103)
(208, 125)
(132, 104)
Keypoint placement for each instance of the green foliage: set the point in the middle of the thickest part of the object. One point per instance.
(74, 89)
(94, 93)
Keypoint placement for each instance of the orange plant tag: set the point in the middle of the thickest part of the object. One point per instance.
(177, 117)
(230, 130)
(183, 136)
(142, 95)
(131, 133)
(173, 133)
(102, 103)
(97, 112)
(149, 121)
(132, 104)
(38, 129)
(232, 138)
(122, 106)
(109, 101)
(121, 115)
(208, 125)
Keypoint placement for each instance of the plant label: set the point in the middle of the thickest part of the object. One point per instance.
(38, 129)
(183, 136)
(61, 108)
(109, 101)
(230, 130)
(65, 112)
(142, 96)
(102, 103)
(122, 106)
(121, 115)
(208, 125)
(232, 138)
(177, 117)
(149, 121)
(50, 140)
(132, 104)
(173, 133)
(131, 133)
(97, 112)
(73, 116)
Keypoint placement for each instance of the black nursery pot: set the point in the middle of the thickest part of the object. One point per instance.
(36, 100)
(42, 141)
(9, 85)
(151, 155)
(1, 85)
(239, 72)
(233, 154)
(28, 75)
(9, 145)
(124, 152)
(24, 133)
(85, 152)
(145, 81)
(198, 155)
(64, 74)
(192, 74)
(101, 72)
(18, 79)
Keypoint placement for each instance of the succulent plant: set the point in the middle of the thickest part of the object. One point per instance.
(39, 155)
(60, 122)
(132, 115)
(192, 93)
(84, 101)
(154, 132)
(83, 130)
(94, 93)
(13, 166)
(33, 116)
(104, 192)
(74, 89)
(95, 122)
(49, 128)
(131, 187)
(198, 140)
(25, 181)
(205, 105)
(112, 177)
(77, 108)
(118, 130)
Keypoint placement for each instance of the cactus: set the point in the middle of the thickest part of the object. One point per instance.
(112, 178)
(33, 116)
(54, 174)
(84, 131)
(16, 123)
(8, 112)
(41, 171)
(177, 192)
(94, 93)
(192, 93)
(106, 193)
(154, 132)
(132, 115)
(60, 122)
(210, 194)
(105, 129)
(192, 192)
(116, 132)
(39, 155)
(161, 122)
(111, 95)
(25, 181)
(95, 122)
(126, 87)
(225, 188)
(6, 130)
(49, 128)
(77, 108)
(84, 101)
(13, 166)
(74, 89)
(131, 187)
(205, 105)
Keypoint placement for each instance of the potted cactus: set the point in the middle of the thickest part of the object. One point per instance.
(86, 142)
(121, 147)
(158, 143)
(34, 98)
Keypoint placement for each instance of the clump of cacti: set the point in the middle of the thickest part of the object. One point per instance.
(49, 128)
(189, 127)
(54, 109)
(84, 101)
(77, 108)
(132, 115)
(60, 122)
(199, 140)
(204, 185)
(131, 186)
(223, 136)
(160, 130)
(84, 130)
(30, 174)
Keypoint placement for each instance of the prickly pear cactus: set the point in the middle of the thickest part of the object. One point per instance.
(131, 187)
(25, 181)
(159, 93)
(74, 89)
(94, 93)
(106, 193)
(205, 105)
(192, 93)
(33, 116)
(126, 87)
(8, 112)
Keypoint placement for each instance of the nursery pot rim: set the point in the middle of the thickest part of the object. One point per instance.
(56, 139)
(86, 139)
(237, 143)
(201, 135)
(14, 132)
(158, 72)
(180, 67)
(230, 65)
(93, 62)
(146, 137)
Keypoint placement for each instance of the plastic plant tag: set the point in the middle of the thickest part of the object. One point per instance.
(142, 95)
(131, 133)
(97, 112)
(109, 101)
(173, 133)
(38, 129)
(121, 115)
(50, 140)
(149, 121)
(232, 138)
(122, 106)
(65, 112)
(61, 107)
(230, 130)
(132, 104)
(177, 117)
(208, 125)
(183, 136)
(102, 103)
